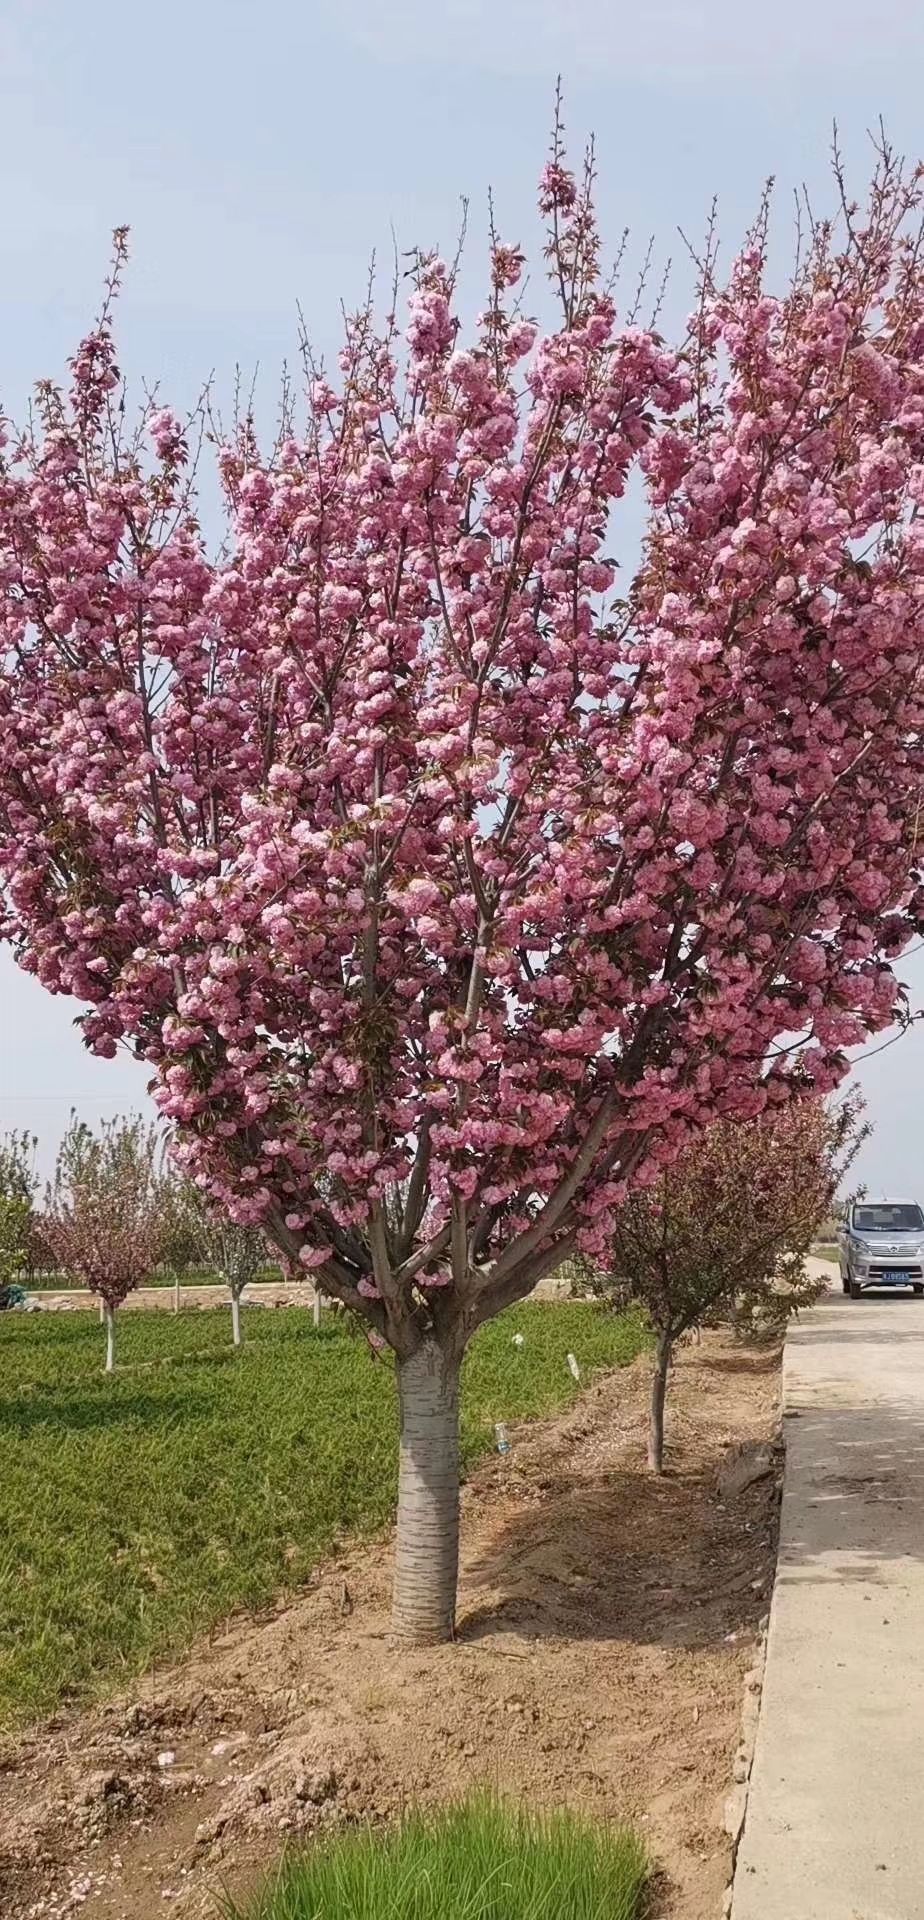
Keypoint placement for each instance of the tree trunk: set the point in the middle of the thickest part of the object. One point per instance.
(109, 1314)
(427, 1553)
(316, 1307)
(656, 1408)
(236, 1318)
(176, 1291)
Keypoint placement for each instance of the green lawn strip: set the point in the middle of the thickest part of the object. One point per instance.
(480, 1860)
(141, 1510)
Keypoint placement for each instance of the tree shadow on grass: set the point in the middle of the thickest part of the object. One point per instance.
(85, 1413)
(49, 1329)
(89, 1340)
(283, 1325)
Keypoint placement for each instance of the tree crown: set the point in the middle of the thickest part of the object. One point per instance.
(445, 887)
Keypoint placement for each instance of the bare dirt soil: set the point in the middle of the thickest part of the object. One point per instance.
(606, 1624)
(211, 1295)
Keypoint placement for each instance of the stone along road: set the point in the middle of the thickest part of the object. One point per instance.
(835, 1822)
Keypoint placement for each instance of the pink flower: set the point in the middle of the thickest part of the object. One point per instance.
(448, 881)
(313, 1257)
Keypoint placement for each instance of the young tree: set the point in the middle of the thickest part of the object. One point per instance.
(184, 1227)
(240, 1254)
(39, 1255)
(181, 1224)
(14, 1244)
(236, 1252)
(17, 1192)
(293, 1273)
(443, 889)
(101, 1211)
(724, 1231)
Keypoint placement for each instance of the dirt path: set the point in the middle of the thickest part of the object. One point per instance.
(266, 1293)
(211, 1294)
(606, 1624)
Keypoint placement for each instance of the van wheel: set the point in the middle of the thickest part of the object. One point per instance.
(845, 1282)
(855, 1290)
(919, 1288)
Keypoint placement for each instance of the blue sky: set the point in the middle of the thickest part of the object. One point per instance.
(261, 153)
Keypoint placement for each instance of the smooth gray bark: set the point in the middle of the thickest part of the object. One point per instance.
(427, 1550)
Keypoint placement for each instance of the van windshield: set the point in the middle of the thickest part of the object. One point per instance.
(891, 1217)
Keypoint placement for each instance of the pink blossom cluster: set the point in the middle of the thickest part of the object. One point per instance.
(446, 893)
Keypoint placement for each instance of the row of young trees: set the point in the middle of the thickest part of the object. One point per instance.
(722, 1234)
(448, 882)
(114, 1212)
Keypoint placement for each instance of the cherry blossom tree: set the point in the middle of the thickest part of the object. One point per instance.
(102, 1211)
(724, 1231)
(446, 882)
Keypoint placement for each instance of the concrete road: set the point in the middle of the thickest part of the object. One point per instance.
(835, 1822)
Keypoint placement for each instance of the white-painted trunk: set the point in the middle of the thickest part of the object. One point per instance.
(176, 1293)
(316, 1308)
(427, 1550)
(102, 1313)
(110, 1336)
(236, 1318)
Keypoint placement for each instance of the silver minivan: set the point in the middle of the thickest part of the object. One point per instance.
(882, 1245)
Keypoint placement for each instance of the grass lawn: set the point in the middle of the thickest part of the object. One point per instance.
(140, 1509)
(479, 1861)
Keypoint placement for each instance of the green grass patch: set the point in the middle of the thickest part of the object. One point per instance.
(480, 1860)
(139, 1510)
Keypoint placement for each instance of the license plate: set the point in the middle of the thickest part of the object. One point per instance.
(896, 1278)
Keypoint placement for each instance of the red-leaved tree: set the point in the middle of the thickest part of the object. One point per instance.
(102, 1215)
(444, 888)
(725, 1230)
